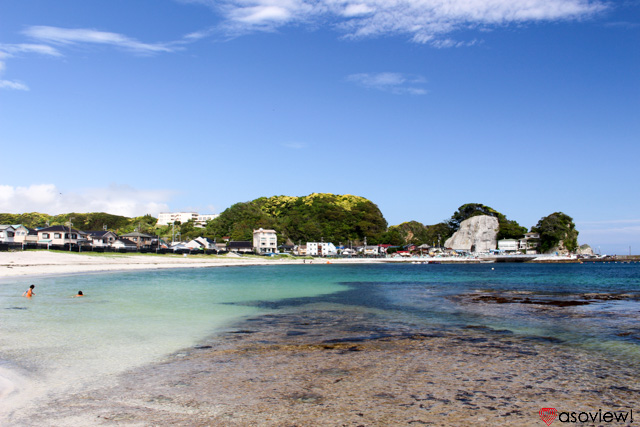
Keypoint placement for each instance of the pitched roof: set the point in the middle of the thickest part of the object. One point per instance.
(126, 242)
(58, 228)
(240, 245)
(137, 234)
(97, 233)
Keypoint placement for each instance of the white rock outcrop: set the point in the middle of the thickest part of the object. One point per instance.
(476, 234)
(585, 250)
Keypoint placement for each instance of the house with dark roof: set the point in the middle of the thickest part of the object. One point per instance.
(101, 239)
(125, 244)
(241, 247)
(142, 241)
(60, 235)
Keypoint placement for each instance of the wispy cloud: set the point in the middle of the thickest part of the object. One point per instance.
(396, 83)
(423, 21)
(66, 36)
(9, 84)
(11, 50)
(114, 199)
(50, 41)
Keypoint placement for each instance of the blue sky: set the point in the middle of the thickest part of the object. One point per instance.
(135, 107)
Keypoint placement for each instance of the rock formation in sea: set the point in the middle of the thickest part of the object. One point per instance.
(585, 250)
(476, 234)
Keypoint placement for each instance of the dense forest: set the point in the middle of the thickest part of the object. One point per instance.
(316, 217)
(328, 217)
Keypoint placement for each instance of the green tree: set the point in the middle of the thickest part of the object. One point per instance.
(508, 229)
(555, 229)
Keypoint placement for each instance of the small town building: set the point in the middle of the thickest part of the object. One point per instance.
(241, 247)
(202, 219)
(124, 244)
(168, 218)
(60, 235)
(142, 241)
(20, 233)
(509, 245)
(321, 249)
(203, 243)
(101, 239)
(7, 234)
(265, 241)
(530, 243)
(371, 250)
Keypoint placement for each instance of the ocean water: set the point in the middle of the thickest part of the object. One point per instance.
(54, 343)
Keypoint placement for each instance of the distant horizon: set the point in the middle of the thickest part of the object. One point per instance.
(193, 105)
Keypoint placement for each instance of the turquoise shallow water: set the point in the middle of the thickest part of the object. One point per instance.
(131, 319)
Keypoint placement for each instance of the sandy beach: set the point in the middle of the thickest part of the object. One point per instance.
(38, 263)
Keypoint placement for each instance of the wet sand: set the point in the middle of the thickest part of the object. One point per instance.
(324, 366)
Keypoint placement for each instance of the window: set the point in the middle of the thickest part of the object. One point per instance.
(57, 236)
(45, 235)
(74, 236)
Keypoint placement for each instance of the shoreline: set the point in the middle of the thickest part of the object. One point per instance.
(45, 263)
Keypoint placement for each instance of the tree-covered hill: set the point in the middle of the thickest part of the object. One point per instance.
(334, 218)
(557, 232)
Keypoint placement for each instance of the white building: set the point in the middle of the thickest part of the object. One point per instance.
(60, 235)
(168, 218)
(321, 249)
(202, 219)
(265, 241)
(7, 233)
(21, 233)
(508, 245)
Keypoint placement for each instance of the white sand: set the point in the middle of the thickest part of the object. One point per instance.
(36, 263)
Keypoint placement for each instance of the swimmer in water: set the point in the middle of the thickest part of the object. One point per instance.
(29, 292)
(80, 294)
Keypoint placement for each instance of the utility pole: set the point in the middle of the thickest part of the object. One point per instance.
(70, 224)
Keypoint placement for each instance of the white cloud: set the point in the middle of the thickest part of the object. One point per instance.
(114, 199)
(8, 84)
(14, 49)
(67, 36)
(424, 21)
(11, 50)
(396, 83)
